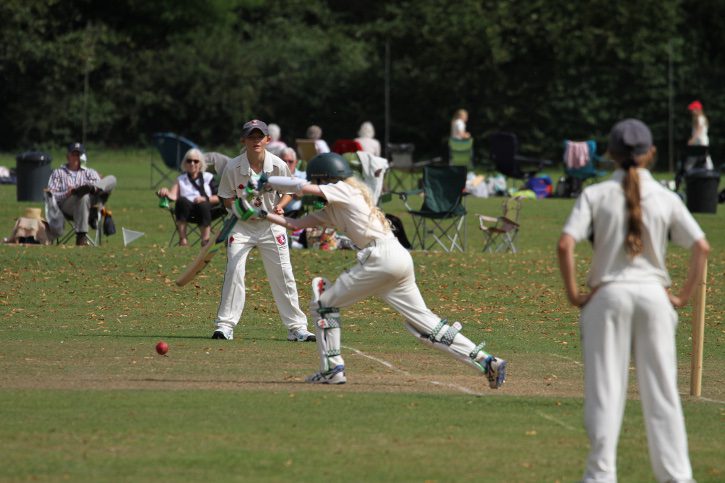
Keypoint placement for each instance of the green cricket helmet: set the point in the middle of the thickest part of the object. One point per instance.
(328, 166)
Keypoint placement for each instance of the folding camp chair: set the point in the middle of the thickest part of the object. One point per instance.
(193, 233)
(172, 149)
(504, 154)
(404, 172)
(66, 236)
(342, 146)
(460, 152)
(441, 219)
(500, 232)
(577, 172)
(306, 149)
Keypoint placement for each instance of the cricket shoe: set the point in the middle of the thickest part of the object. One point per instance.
(222, 335)
(319, 285)
(495, 372)
(300, 335)
(336, 375)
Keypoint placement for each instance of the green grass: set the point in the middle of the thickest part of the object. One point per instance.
(84, 397)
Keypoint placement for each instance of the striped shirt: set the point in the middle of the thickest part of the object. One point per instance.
(63, 179)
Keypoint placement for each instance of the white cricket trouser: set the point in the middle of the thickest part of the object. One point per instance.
(271, 240)
(385, 269)
(636, 318)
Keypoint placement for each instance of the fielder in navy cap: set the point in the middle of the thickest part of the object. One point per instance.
(250, 126)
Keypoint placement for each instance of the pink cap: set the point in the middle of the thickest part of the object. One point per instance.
(695, 105)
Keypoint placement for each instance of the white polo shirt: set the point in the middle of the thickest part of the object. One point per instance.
(188, 190)
(347, 211)
(238, 172)
(601, 211)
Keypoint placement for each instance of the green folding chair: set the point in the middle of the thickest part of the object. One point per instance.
(460, 152)
(440, 222)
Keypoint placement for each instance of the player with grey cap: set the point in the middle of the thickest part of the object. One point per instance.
(270, 240)
(384, 269)
(630, 310)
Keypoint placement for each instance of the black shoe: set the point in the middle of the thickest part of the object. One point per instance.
(82, 240)
(218, 334)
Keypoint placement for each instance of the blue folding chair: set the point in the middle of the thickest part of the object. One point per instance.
(172, 149)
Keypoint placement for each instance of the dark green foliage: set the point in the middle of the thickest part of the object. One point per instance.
(548, 70)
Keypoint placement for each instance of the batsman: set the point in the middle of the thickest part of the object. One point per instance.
(383, 269)
(248, 205)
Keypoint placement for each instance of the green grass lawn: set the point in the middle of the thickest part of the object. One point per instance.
(84, 396)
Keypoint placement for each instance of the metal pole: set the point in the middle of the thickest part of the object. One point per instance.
(85, 102)
(387, 97)
(671, 111)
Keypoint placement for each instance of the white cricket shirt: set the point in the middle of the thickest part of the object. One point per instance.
(347, 211)
(238, 172)
(601, 211)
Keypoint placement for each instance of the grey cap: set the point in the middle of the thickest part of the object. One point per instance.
(630, 137)
(252, 125)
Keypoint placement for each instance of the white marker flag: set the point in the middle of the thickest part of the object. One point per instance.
(129, 236)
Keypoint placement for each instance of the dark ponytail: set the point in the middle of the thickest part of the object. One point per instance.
(633, 242)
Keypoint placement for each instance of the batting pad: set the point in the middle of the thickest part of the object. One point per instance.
(446, 338)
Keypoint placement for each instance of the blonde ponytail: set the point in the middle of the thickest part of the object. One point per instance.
(368, 197)
(630, 185)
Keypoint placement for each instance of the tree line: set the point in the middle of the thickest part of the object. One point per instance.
(116, 72)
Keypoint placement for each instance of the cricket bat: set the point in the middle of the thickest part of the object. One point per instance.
(207, 253)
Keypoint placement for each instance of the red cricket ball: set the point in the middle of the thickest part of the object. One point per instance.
(162, 348)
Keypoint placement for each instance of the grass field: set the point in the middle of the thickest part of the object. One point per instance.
(84, 396)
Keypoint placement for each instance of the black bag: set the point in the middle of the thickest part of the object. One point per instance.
(109, 227)
(398, 230)
(568, 187)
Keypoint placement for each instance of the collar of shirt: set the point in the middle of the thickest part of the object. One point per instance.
(66, 168)
(246, 168)
(645, 179)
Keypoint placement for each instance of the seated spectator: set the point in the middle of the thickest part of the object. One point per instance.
(80, 192)
(275, 146)
(315, 133)
(366, 138)
(458, 125)
(288, 155)
(30, 228)
(195, 193)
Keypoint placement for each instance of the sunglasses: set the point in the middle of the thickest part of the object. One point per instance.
(195, 161)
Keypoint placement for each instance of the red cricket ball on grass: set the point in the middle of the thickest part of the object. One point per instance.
(162, 348)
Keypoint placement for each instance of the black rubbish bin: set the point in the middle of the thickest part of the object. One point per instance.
(32, 170)
(701, 190)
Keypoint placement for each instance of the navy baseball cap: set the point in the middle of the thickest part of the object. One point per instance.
(252, 125)
(76, 147)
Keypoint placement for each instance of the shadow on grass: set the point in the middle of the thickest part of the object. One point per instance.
(200, 337)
